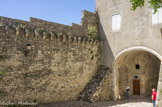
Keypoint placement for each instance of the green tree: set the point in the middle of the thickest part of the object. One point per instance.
(154, 4)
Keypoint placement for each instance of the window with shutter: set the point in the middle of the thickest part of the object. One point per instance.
(116, 22)
(157, 17)
(160, 15)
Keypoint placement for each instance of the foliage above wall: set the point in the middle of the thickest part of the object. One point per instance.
(1, 74)
(1, 24)
(154, 4)
(92, 32)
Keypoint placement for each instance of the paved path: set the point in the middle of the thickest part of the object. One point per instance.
(134, 102)
(137, 104)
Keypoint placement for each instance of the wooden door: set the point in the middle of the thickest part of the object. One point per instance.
(136, 87)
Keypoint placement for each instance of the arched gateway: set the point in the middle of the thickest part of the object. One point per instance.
(138, 68)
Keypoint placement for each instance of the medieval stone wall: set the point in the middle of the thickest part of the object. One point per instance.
(99, 87)
(74, 29)
(104, 91)
(88, 20)
(39, 65)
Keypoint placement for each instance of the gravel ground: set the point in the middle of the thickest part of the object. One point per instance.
(133, 102)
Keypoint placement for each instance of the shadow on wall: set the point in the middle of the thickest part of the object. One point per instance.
(107, 57)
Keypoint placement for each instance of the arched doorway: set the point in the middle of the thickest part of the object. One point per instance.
(138, 69)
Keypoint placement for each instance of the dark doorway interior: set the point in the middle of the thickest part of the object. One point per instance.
(139, 70)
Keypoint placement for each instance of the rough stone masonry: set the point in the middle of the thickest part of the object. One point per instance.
(45, 62)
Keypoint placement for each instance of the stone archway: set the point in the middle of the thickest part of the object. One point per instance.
(137, 68)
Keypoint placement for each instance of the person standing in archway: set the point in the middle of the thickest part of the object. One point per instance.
(127, 92)
(153, 96)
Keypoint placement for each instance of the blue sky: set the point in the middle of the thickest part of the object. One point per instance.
(59, 11)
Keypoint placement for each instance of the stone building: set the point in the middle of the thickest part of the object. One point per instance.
(132, 46)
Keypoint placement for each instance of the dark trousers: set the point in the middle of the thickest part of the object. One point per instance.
(127, 96)
(153, 103)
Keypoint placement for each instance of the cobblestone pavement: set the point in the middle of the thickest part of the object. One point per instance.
(133, 102)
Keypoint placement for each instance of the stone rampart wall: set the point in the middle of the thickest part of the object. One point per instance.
(88, 20)
(39, 65)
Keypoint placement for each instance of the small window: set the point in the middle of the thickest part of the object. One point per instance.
(28, 44)
(116, 22)
(157, 17)
(136, 77)
(137, 66)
